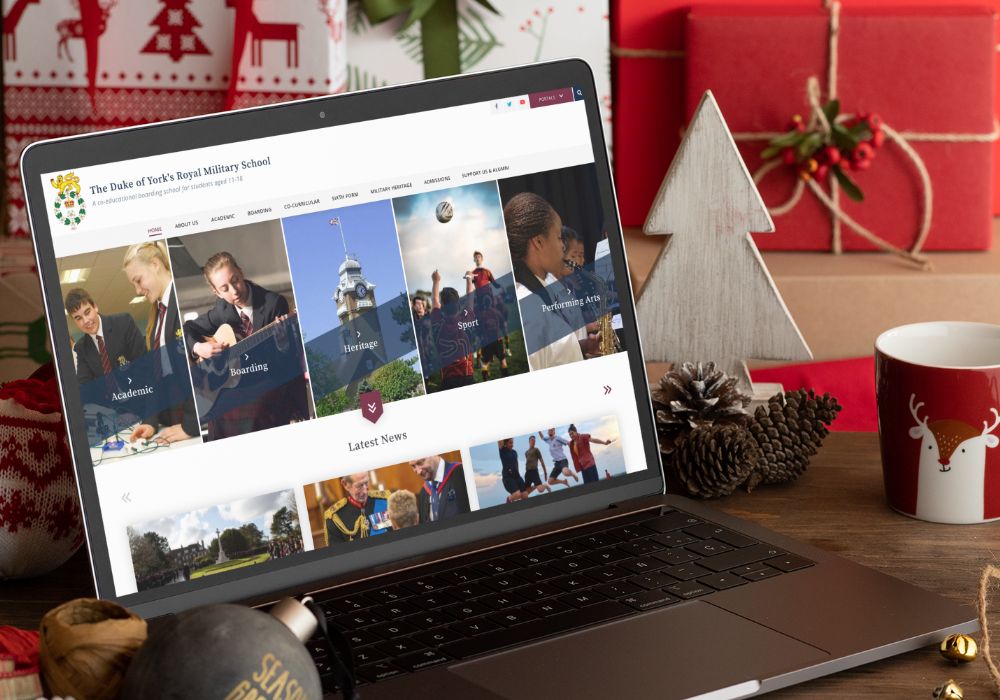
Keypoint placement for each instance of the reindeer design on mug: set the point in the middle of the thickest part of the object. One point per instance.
(951, 481)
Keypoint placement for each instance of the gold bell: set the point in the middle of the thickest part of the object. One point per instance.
(959, 647)
(949, 691)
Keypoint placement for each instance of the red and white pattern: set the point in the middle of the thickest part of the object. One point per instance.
(40, 524)
(72, 66)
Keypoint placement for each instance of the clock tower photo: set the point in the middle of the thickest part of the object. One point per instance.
(354, 294)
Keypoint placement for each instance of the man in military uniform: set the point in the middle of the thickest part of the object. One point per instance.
(361, 513)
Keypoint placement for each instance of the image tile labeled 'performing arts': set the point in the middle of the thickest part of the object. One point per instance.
(241, 330)
(353, 307)
(550, 459)
(377, 502)
(221, 538)
(563, 271)
(128, 351)
(461, 286)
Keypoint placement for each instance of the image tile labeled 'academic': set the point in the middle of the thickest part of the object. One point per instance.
(241, 330)
(461, 286)
(353, 307)
(135, 390)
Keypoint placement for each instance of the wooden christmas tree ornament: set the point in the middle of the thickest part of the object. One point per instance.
(710, 297)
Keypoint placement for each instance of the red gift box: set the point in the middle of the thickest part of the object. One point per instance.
(649, 69)
(929, 77)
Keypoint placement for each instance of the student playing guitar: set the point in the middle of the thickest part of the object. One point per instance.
(242, 304)
(245, 307)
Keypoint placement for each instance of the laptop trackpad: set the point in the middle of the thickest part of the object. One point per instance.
(675, 652)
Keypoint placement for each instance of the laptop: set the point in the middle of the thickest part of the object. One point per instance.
(381, 348)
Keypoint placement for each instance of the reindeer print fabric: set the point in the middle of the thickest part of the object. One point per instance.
(81, 65)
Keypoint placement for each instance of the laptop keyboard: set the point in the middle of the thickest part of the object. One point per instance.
(510, 600)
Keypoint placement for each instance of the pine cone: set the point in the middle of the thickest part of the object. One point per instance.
(789, 431)
(696, 395)
(715, 460)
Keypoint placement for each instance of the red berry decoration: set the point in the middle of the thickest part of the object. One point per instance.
(864, 151)
(821, 148)
(862, 155)
(796, 124)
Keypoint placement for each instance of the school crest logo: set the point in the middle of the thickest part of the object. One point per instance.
(69, 206)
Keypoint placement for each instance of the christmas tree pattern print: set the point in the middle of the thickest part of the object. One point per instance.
(176, 36)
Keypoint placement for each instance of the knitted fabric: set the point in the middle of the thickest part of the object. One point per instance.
(40, 524)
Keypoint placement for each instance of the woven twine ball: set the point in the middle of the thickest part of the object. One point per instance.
(40, 524)
(86, 646)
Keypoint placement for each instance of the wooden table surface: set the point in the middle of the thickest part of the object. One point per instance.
(837, 505)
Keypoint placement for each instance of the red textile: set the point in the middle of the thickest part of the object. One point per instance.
(580, 447)
(21, 645)
(852, 382)
(40, 395)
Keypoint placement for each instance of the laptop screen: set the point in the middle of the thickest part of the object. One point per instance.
(289, 347)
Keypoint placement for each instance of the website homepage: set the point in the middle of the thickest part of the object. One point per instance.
(300, 342)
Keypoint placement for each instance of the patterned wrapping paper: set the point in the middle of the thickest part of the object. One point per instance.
(525, 31)
(72, 66)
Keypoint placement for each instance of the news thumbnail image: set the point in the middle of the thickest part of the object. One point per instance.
(563, 268)
(128, 352)
(208, 541)
(353, 307)
(376, 502)
(550, 459)
(241, 330)
(461, 285)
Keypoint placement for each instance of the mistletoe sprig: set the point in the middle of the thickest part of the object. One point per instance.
(817, 153)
